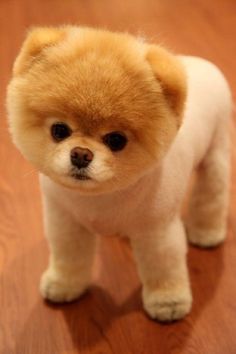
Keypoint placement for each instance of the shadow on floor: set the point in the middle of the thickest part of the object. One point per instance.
(96, 324)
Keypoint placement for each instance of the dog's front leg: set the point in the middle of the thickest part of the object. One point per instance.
(71, 254)
(161, 258)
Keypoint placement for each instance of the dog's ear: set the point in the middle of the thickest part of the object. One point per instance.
(36, 41)
(169, 71)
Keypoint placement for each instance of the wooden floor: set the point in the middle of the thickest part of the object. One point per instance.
(109, 319)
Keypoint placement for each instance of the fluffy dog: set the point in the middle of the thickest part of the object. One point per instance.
(116, 126)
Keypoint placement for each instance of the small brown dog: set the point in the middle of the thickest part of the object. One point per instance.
(116, 127)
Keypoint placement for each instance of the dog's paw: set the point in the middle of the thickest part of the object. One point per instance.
(168, 305)
(60, 289)
(205, 238)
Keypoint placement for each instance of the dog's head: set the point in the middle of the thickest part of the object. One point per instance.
(94, 110)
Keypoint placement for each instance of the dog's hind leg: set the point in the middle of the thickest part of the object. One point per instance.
(206, 221)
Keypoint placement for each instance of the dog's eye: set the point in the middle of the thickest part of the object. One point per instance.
(116, 141)
(60, 131)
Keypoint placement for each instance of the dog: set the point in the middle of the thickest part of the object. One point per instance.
(116, 126)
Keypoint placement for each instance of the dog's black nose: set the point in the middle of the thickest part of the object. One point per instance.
(81, 157)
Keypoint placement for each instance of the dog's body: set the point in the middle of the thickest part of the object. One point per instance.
(156, 194)
(147, 210)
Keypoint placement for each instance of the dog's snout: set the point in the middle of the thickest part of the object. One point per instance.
(81, 157)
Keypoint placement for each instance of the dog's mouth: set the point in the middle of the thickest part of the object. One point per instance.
(80, 176)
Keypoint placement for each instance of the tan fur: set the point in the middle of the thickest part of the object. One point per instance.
(93, 79)
(37, 40)
(99, 82)
(170, 73)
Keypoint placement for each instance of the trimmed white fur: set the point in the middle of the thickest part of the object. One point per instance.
(148, 212)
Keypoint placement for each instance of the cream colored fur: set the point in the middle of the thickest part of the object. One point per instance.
(148, 209)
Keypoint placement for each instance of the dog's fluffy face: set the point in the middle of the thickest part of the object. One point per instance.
(92, 109)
